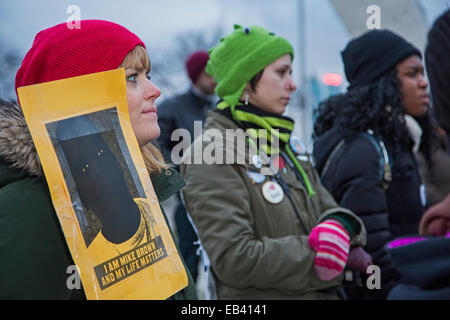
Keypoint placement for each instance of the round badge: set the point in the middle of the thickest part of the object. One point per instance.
(272, 192)
(264, 157)
(297, 145)
(278, 163)
(303, 158)
(256, 176)
(257, 161)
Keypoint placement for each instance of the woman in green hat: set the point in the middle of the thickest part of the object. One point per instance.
(269, 228)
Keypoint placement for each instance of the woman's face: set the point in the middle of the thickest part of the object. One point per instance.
(414, 86)
(273, 91)
(141, 96)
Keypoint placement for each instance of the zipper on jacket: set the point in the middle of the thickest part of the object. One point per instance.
(286, 190)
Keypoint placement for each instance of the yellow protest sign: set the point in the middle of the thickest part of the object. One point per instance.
(100, 188)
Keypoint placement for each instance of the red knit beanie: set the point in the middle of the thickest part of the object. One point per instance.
(196, 63)
(59, 52)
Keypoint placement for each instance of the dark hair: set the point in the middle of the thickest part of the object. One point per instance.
(377, 106)
(438, 68)
(254, 81)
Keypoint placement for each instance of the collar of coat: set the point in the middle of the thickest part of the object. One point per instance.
(18, 150)
(218, 120)
(253, 120)
(256, 122)
(16, 144)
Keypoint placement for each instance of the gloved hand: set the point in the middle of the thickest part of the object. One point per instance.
(359, 259)
(332, 243)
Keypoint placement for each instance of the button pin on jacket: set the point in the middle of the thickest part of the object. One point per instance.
(279, 164)
(272, 192)
(256, 177)
(423, 195)
(256, 160)
(297, 145)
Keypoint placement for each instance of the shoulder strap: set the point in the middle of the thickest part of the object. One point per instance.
(385, 171)
(330, 157)
(385, 166)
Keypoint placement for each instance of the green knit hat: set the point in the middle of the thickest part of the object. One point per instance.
(240, 56)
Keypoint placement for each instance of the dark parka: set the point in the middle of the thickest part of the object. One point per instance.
(257, 249)
(353, 178)
(34, 256)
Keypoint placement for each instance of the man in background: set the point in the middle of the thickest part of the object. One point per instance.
(180, 112)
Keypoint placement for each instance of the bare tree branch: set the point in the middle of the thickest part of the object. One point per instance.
(9, 63)
(168, 65)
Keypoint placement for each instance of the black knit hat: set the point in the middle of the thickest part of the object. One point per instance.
(373, 54)
(437, 60)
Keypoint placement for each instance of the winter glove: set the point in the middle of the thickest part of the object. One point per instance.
(359, 259)
(332, 243)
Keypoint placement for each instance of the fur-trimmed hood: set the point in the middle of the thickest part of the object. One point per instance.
(16, 144)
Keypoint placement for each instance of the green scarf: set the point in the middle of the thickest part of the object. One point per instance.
(261, 124)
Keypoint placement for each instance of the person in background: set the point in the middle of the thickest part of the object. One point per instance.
(424, 260)
(34, 255)
(180, 112)
(432, 157)
(274, 236)
(363, 149)
(438, 69)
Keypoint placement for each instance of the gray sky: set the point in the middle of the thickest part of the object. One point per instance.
(157, 22)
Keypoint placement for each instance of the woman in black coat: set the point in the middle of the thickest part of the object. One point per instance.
(363, 149)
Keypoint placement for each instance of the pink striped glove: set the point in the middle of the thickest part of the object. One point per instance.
(332, 243)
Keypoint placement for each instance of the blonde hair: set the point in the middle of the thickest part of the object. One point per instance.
(138, 59)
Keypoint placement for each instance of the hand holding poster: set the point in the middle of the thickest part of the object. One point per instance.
(100, 188)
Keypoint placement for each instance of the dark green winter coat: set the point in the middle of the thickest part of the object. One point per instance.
(34, 256)
(258, 250)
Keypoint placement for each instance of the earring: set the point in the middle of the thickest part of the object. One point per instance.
(246, 99)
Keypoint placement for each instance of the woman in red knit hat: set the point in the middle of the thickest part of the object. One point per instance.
(33, 252)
